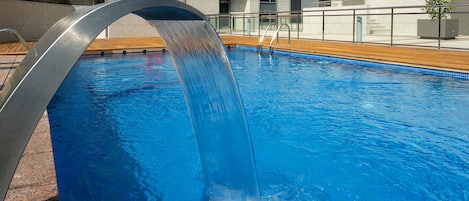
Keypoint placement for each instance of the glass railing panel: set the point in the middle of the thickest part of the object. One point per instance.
(382, 25)
(456, 25)
(406, 28)
(338, 25)
(312, 26)
(376, 26)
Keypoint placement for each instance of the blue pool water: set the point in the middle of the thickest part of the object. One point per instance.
(322, 129)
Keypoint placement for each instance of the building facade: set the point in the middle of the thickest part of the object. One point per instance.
(33, 17)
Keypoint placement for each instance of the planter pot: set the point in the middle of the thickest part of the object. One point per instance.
(428, 29)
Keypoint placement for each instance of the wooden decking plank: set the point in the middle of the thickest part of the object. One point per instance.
(422, 57)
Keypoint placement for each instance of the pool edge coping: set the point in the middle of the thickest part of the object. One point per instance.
(378, 64)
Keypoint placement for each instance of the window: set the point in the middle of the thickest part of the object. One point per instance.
(324, 3)
(296, 18)
(353, 2)
(224, 8)
(268, 8)
(295, 5)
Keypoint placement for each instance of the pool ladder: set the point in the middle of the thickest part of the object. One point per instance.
(14, 63)
(18, 36)
(263, 35)
(275, 36)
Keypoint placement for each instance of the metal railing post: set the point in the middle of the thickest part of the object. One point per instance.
(244, 25)
(439, 27)
(231, 23)
(323, 23)
(277, 19)
(353, 34)
(392, 26)
(218, 23)
(298, 25)
(259, 25)
(262, 18)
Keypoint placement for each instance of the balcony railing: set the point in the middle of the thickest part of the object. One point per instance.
(71, 2)
(394, 26)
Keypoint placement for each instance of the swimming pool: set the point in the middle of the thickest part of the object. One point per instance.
(322, 129)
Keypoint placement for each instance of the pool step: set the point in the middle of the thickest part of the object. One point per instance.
(377, 27)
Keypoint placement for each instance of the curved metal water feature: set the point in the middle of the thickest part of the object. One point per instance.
(36, 80)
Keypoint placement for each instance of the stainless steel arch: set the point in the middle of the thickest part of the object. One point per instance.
(36, 80)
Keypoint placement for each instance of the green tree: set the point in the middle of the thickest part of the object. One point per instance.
(437, 9)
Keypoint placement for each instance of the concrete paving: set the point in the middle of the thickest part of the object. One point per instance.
(34, 178)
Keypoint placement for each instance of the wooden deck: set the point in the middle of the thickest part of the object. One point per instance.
(419, 57)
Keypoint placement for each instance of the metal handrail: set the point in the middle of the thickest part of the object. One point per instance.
(392, 35)
(275, 36)
(18, 36)
(265, 32)
(345, 9)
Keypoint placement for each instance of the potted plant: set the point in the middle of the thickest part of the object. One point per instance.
(437, 11)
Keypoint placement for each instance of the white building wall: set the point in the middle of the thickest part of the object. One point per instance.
(372, 24)
(244, 21)
(245, 6)
(132, 25)
(129, 25)
(462, 17)
(30, 19)
(403, 24)
(240, 6)
(283, 5)
(313, 20)
(208, 7)
(254, 6)
(386, 3)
